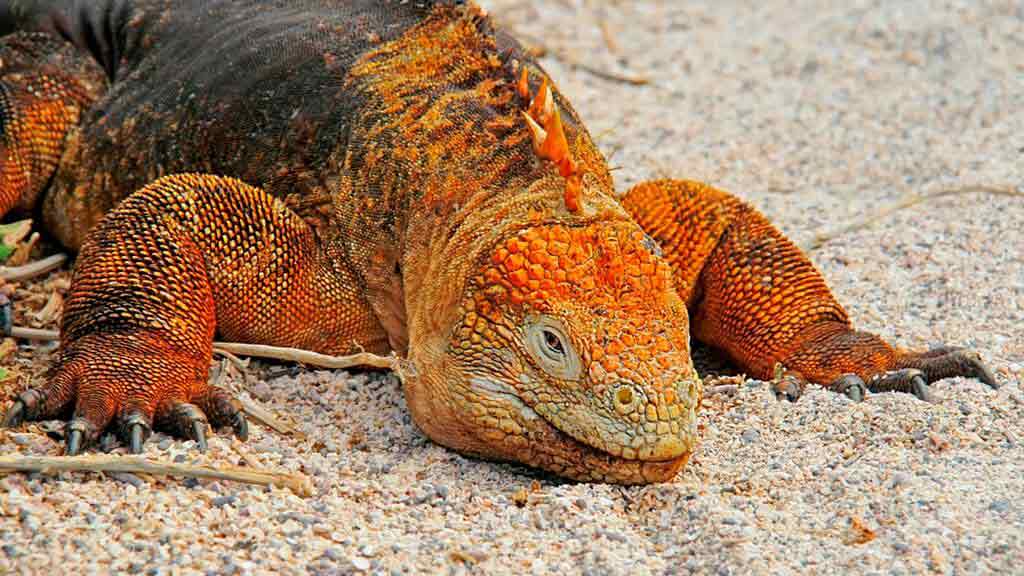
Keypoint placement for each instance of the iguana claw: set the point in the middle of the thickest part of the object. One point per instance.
(81, 433)
(15, 414)
(199, 434)
(137, 439)
(851, 385)
(25, 407)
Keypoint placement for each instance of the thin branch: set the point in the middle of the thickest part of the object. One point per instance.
(603, 74)
(359, 360)
(297, 483)
(362, 359)
(820, 239)
(38, 334)
(267, 418)
(32, 269)
(541, 49)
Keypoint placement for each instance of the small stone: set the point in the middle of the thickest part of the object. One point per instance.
(900, 479)
(360, 563)
(261, 391)
(221, 501)
(368, 551)
(750, 435)
(999, 506)
(966, 409)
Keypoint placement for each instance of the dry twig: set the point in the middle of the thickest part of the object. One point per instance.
(267, 418)
(821, 238)
(360, 360)
(32, 269)
(297, 483)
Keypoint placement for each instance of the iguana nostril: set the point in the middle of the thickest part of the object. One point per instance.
(624, 396)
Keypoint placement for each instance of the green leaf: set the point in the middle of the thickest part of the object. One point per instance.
(5, 252)
(3, 374)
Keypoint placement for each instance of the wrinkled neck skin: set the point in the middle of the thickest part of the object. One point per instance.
(441, 168)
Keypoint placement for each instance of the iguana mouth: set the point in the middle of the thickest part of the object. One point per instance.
(545, 435)
(559, 452)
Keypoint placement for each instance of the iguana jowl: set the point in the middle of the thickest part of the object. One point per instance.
(387, 175)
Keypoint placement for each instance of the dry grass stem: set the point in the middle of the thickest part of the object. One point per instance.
(297, 483)
(32, 269)
(820, 239)
(227, 349)
(267, 418)
(362, 359)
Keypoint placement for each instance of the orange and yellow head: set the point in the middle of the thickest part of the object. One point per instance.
(571, 353)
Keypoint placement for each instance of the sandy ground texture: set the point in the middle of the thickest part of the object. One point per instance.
(819, 115)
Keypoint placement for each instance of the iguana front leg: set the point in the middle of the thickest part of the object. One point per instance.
(753, 294)
(182, 258)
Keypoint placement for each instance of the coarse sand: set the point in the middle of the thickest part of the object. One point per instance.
(820, 114)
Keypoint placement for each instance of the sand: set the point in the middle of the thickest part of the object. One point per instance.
(819, 115)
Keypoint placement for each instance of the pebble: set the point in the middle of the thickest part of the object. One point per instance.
(261, 391)
(900, 479)
(750, 435)
(1000, 506)
(221, 501)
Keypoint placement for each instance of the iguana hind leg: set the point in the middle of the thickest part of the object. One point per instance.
(45, 85)
(753, 294)
(180, 259)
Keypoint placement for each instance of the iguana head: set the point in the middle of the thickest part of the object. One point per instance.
(569, 351)
(543, 326)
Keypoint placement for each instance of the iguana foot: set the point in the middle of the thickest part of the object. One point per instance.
(131, 392)
(853, 363)
(907, 380)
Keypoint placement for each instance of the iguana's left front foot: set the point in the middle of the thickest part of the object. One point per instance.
(752, 293)
(868, 363)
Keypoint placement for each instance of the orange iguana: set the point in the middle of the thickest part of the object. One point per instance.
(396, 176)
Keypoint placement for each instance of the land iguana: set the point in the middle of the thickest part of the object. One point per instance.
(388, 176)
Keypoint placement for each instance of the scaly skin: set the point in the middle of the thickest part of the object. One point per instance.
(43, 91)
(396, 176)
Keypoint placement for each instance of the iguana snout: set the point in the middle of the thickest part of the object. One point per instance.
(571, 353)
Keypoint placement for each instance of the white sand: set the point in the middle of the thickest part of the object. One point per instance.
(817, 115)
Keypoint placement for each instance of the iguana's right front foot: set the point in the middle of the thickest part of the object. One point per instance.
(181, 258)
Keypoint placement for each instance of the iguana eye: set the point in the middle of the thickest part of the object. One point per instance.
(554, 343)
(551, 348)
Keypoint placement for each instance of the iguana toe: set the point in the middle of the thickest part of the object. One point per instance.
(851, 385)
(135, 428)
